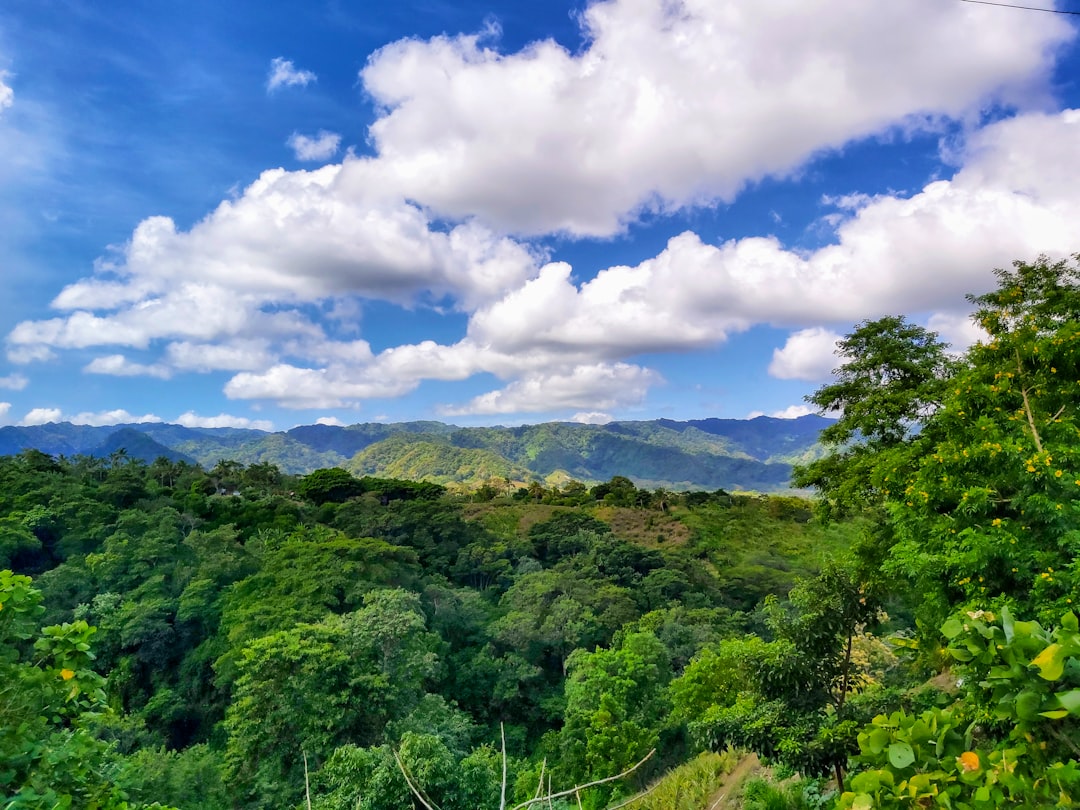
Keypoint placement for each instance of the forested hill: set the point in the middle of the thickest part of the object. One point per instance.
(700, 454)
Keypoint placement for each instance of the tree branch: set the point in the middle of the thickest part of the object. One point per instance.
(502, 798)
(1027, 405)
(1063, 738)
(307, 783)
(577, 788)
(1053, 418)
(540, 784)
(416, 791)
(638, 797)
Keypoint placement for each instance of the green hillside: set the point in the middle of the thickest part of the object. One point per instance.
(419, 457)
(732, 454)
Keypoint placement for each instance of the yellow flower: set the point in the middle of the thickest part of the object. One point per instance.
(67, 674)
(1058, 473)
(997, 522)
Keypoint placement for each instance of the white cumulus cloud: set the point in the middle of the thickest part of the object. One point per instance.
(600, 385)
(330, 387)
(591, 418)
(793, 412)
(222, 420)
(958, 329)
(118, 416)
(14, 382)
(809, 354)
(284, 74)
(7, 95)
(680, 103)
(666, 105)
(322, 146)
(117, 365)
(41, 416)
(233, 355)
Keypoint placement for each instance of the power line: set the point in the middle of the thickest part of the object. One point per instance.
(1025, 8)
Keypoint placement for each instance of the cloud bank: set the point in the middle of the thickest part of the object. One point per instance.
(666, 107)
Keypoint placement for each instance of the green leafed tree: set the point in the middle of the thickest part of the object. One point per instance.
(990, 506)
(331, 485)
(314, 687)
(50, 698)
(789, 698)
(892, 377)
(616, 708)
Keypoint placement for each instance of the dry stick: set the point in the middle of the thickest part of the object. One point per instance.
(502, 798)
(1027, 406)
(587, 785)
(1065, 740)
(307, 784)
(416, 791)
(641, 796)
(540, 784)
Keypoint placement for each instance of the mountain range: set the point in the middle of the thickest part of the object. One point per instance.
(697, 454)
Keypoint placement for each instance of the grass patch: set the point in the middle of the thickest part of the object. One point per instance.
(804, 794)
(689, 786)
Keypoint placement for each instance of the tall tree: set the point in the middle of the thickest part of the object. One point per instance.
(990, 509)
(314, 687)
(893, 376)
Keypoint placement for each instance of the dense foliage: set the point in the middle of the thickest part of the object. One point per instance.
(256, 633)
(973, 469)
(237, 637)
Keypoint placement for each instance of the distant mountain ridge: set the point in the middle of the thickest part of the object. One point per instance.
(697, 454)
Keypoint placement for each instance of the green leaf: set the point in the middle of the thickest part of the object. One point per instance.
(1070, 701)
(901, 755)
(1028, 704)
(1069, 622)
(863, 802)
(1055, 714)
(868, 781)
(877, 740)
(1051, 662)
(952, 628)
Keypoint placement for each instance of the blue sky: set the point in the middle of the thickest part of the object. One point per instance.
(488, 212)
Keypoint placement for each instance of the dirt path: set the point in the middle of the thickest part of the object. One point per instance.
(724, 798)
